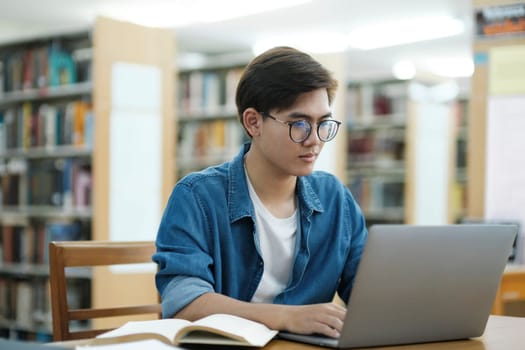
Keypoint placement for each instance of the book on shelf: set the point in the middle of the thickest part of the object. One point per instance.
(208, 92)
(2, 80)
(25, 303)
(46, 125)
(38, 66)
(9, 185)
(4, 295)
(24, 295)
(3, 132)
(216, 138)
(61, 68)
(63, 183)
(217, 329)
(45, 182)
(28, 244)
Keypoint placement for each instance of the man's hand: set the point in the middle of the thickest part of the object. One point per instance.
(326, 319)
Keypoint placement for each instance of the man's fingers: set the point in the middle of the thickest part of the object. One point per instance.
(329, 331)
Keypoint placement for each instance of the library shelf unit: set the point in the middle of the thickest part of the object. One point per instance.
(57, 103)
(399, 150)
(209, 130)
(376, 159)
(46, 121)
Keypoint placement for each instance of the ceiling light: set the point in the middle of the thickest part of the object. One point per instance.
(312, 42)
(404, 70)
(227, 9)
(187, 12)
(388, 34)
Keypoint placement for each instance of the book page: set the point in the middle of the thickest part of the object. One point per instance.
(165, 327)
(255, 333)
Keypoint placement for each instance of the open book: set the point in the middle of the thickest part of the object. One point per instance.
(219, 329)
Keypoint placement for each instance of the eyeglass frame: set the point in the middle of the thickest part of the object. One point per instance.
(291, 123)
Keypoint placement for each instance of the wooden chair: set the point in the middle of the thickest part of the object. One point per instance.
(91, 253)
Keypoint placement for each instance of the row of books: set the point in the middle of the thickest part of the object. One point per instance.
(215, 138)
(22, 334)
(41, 65)
(25, 305)
(61, 182)
(376, 193)
(208, 92)
(46, 125)
(29, 244)
(384, 146)
(377, 103)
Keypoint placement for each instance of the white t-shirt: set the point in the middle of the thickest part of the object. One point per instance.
(276, 241)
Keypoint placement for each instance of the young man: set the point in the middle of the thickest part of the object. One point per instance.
(263, 236)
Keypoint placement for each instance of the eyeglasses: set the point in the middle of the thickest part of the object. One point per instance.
(300, 130)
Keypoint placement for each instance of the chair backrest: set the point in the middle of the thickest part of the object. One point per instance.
(91, 253)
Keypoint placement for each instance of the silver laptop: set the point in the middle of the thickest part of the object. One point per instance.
(419, 284)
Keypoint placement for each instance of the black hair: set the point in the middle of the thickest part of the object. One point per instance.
(274, 80)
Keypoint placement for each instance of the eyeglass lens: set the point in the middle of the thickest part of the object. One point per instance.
(326, 130)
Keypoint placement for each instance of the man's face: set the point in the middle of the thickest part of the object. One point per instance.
(285, 156)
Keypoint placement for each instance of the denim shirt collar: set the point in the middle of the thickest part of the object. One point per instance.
(239, 202)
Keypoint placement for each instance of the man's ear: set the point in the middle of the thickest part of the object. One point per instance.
(252, 121)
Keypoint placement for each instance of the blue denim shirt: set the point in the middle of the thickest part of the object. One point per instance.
(207, 242)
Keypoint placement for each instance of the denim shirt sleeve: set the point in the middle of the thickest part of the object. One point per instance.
(183, 262)
(357, 243)
(181, 291)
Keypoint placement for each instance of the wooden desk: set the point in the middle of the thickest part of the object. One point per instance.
(512, 288)
(502, 333)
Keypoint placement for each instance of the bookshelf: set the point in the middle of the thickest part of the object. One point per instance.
(46, 123)
(209, 129)
(57, 141)
(400, 150)
(376, 146)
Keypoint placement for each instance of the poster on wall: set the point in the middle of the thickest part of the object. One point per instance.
(505, 170)
(503, 20)
(507, 70)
